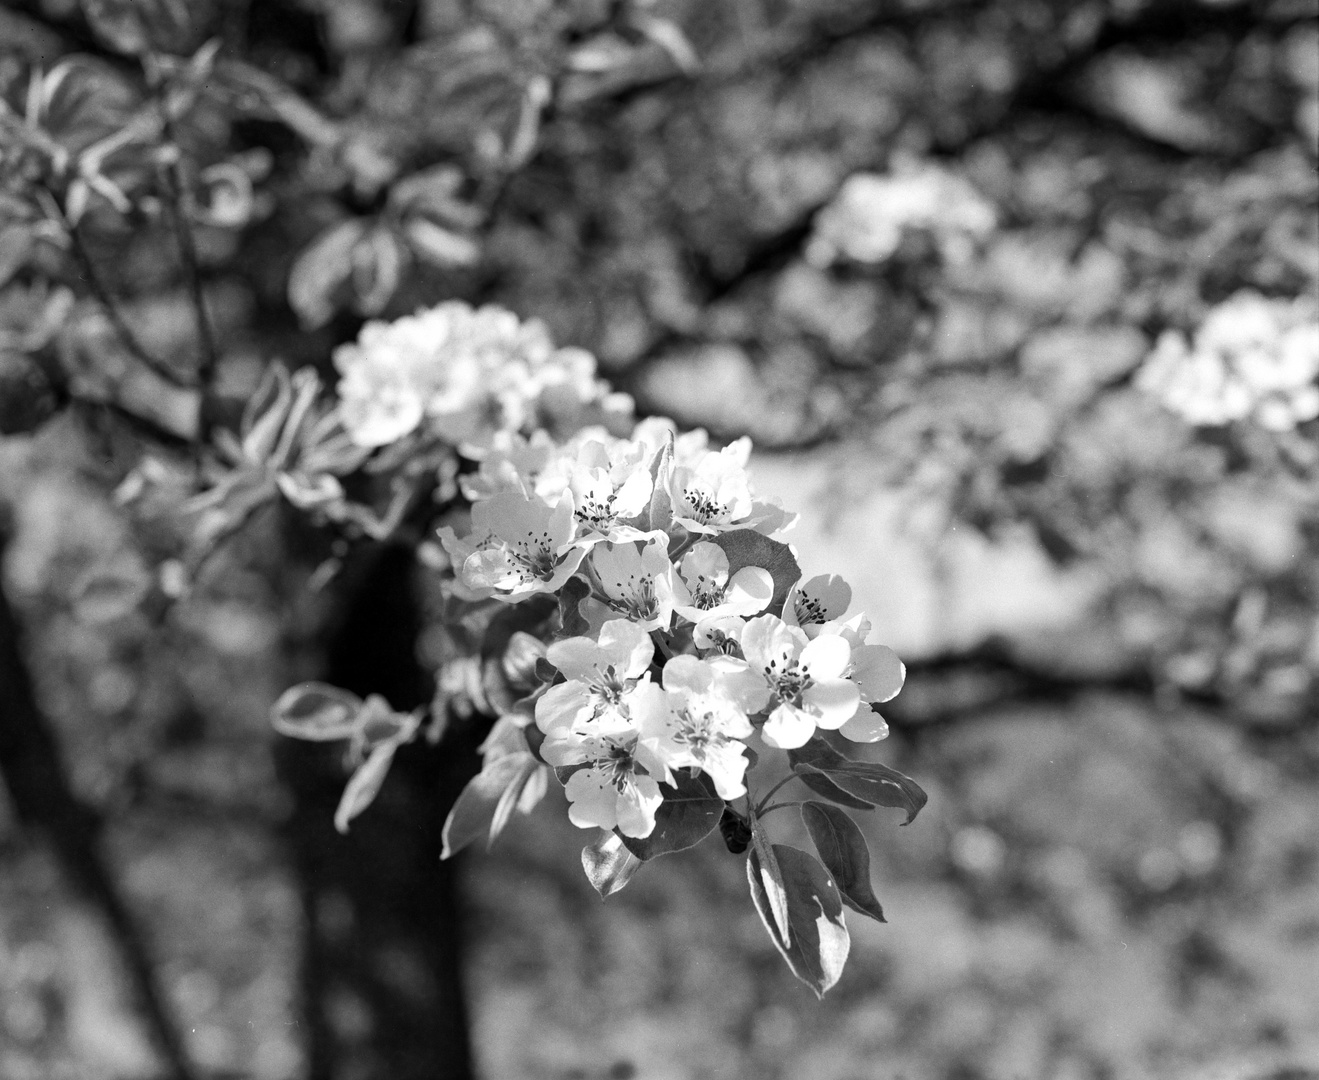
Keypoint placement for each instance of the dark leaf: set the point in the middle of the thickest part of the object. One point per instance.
(875, 783)
(820, 783)
(608, 864)
(842, 849)
(316, 711)
(746, 547)
(688, 814)
(771, 879)
(819, 945)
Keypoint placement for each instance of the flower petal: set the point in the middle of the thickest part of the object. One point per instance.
(878, 671)
(826, 657)
(788, 728)
(833, 701)
(865, 726)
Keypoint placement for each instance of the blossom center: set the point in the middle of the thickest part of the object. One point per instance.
(704, 507)
(535, 556)
(788, 680)
(595, 511)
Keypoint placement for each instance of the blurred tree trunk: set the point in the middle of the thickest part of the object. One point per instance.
(382, 976)
(44, 800)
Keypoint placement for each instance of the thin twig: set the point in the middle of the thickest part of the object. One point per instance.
(778, 806)
(770, 793)
(188, 254)
(121, 328)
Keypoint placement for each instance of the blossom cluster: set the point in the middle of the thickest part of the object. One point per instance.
(618, 599)
(462, 375)
(869, 217)
(690, 640)
(1252, 358)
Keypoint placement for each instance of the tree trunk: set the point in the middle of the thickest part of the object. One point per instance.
(44, 800)
(382, 978)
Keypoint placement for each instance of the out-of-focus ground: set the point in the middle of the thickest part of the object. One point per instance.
(1110, 881)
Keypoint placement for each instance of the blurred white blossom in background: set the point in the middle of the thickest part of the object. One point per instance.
(1252, 357)
(467, 372)
(869, 217)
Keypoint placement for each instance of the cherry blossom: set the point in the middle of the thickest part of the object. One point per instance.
(702, 723)
(611, 788)
(524, 546)
(636, 581)
(704, 590)
(803, 680)
(713, 494)
(610, 485)
(602, 677)
(820, 600)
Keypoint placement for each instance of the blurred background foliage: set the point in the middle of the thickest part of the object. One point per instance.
(925, 254)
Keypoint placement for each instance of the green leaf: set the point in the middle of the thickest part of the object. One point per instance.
(866, 780)
(746, 547)
(609, 865)
(819, 945)
(842, 849)
(659, 515)
(771, 879)
(140, 26)
(316, 711)
(688, 814)
(820, 783)
(477, 810)
(364, 784)
(322, 270)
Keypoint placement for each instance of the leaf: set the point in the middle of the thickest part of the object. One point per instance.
(688, 814)
(265, 413)
(439, 246)
(820, 942)
(866, 780)
(364, 784)
(659, 515)
(514, 796)
(110, 590)
(316, 711)
(16, 243)
(842, 849)
(140, 26)
(475, 811)
(771, 879)
(820, 783)
(609, 865)
(321, 272)
(746, 547)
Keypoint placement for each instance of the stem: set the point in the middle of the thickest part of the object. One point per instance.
(657, 637)
(121, 328)
(760, 806)
(188, 254)
(779, 806)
